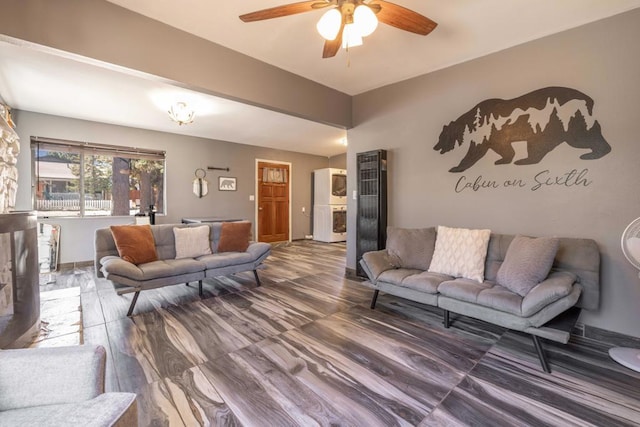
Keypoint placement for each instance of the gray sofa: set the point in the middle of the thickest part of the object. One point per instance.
(61, 386)
(549, 310)
(167, 270)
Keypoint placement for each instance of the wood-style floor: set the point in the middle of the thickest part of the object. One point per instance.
(304, 349)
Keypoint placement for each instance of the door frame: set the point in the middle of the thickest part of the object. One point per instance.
(256, 202)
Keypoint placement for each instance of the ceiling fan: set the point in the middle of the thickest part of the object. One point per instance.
(347, 21)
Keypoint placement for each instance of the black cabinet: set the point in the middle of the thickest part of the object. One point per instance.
(371, 226)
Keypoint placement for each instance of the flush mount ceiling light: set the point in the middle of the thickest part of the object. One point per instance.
(181, 113)
(348, 21)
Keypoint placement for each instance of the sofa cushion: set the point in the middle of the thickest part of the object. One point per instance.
(234, 236)
(491, 295)
(225, 259)
(166, 239)
(460, 252)
(527, 263)
(192, 242)
(153, 270)
(134, 243)
(425, 281)
(487, 294)
(397, 275)
(411, 248)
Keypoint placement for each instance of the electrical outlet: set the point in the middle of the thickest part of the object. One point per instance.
(304, 210)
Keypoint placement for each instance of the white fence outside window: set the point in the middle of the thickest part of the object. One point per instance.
(72, 205)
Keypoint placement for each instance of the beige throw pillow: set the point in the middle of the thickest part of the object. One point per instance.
(460, 252)
(192, 242)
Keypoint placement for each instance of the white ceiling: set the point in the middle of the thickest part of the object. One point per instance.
(37, 81)
(467, 29)
(33, 80)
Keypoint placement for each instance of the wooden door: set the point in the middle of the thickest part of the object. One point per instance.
(273, 202)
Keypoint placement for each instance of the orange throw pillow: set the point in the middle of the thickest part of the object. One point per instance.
(234, 236)
(135, 243)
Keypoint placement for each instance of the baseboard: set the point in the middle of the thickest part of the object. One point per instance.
(350, 273)
(609, 337)
(73, 265)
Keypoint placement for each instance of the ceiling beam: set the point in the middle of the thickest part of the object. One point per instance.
(102, 31)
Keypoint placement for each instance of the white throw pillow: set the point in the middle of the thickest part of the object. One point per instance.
(460, 252)
(192, 242)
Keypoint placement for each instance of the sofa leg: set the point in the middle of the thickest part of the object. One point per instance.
(447, 320)
(200, 288)
(541, 355)
(374, 299)
(255, 273)
(133, 303)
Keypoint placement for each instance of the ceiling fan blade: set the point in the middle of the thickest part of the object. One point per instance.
(285, 10)
(403, 18)
(331, 47)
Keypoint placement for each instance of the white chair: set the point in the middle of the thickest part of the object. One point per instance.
(60, 386)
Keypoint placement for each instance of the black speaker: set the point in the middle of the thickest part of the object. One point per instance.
(371, 225)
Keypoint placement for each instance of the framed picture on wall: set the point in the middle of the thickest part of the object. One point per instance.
(226, 183)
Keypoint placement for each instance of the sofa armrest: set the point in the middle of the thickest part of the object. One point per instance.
(49, 376)
(259, 250)
(557, 285)
(377, 262)
(120, 267)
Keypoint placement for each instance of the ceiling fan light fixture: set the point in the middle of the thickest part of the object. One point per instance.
(181, 113)
(351, 36)
(365, 20)
(329, 24)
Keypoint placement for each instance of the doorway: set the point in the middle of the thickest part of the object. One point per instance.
(273, 207)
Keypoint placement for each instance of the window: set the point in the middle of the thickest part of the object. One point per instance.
(82, 179)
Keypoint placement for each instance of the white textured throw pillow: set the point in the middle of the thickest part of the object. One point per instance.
(192, 242)
(460, 252)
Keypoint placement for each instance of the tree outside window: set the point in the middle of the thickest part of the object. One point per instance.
(74, 179)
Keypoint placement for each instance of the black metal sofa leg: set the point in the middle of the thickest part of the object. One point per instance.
(200, 288)
(255, 273)
(133, 303)
(374, 299)
(446, 321)
(541, 355)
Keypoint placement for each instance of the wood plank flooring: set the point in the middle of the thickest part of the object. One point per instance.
(304, 349)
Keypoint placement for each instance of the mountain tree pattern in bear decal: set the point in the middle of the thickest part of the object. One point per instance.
(544, 118)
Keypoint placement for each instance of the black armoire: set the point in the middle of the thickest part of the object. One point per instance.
(371, 225)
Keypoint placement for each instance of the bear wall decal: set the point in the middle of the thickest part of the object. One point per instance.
(544, 118)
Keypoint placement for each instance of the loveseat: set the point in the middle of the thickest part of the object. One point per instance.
(568, 282)
(183, 253)
(60, 386)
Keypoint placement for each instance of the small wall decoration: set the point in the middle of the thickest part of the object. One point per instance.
(544, 118)
(200, 185)
(226, 183)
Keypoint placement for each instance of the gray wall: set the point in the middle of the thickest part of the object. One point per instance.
(599, 59)
(338, 162)
(184, 155)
